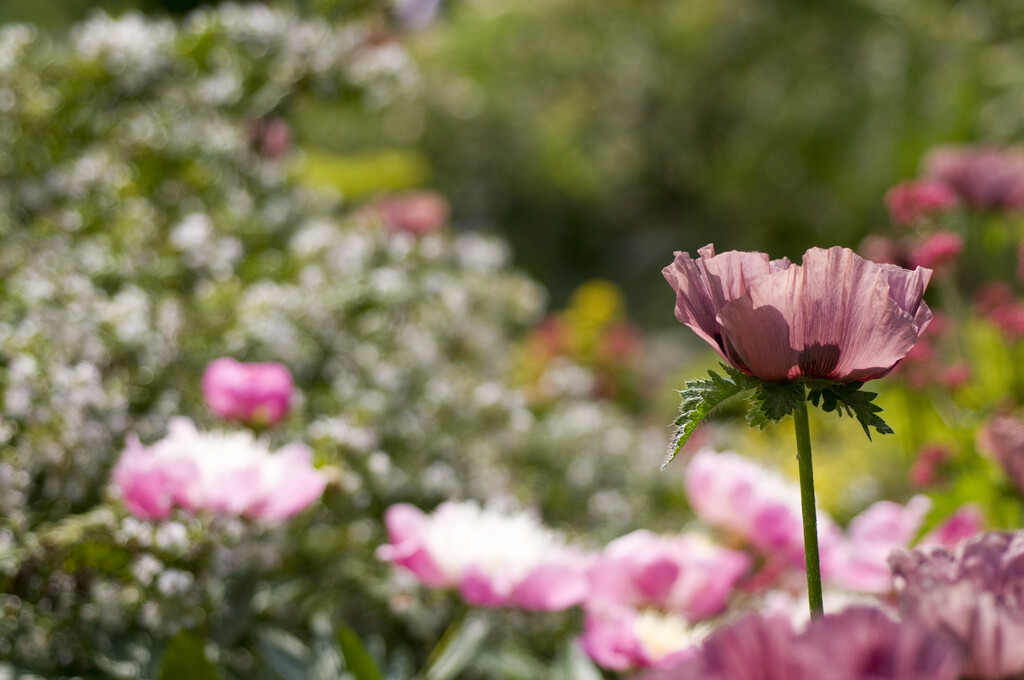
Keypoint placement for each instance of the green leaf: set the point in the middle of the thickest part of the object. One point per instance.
(457, 648)
(357, 659)
(185, 657)
(771, 402)
(700, 397)
(286, 655)
(852, 400)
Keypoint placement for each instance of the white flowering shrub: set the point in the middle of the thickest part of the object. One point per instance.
(152, 222)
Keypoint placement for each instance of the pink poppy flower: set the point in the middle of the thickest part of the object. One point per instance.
(910, 201)
(684, 574)
(885, 527)
(495, 559)
(757, 505)
(418, 213)
(984, 177)
(975, 594)
(229, 473)
(257, 394)
(836, 316)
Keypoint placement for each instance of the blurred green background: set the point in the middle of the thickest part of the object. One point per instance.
(598, 137)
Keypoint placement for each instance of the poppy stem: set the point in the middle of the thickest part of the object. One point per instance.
(803, 457)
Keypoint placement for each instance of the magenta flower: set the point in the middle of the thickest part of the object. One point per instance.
(229, 473)
(621, 638)
(687, 575)
(975, 594)
(860, 643)
(837, 316)
(984, 177)
(910, 201)
(495, 559)
(938, 252)
(1002, 439)
(418, 213)
(758, 506)
(257, 394)
(885, 527)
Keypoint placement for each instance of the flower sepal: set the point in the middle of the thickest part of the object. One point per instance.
(770, 402)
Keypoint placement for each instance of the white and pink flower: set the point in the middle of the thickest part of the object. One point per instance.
(493, 558)
(620, 638)
(229, 473)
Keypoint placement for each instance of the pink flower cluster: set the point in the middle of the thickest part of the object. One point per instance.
(417, 213)
(910, 202)
(230, 473)
(1002, 439)
(257, 394)
(989, 178)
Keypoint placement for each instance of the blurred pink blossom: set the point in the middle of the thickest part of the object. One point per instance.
(989, 178)
(271, 137)
(939, 251)
(837, 316)
(884, 527)
(229, 473)
(257, 394)
(757, 505)
(494, 558)
(925, 471)
(1002, 440)
(975, 594)
(417, 213)
(910, 201)
(859, 643)
(998, 303)
(687, 575)
(620, 638)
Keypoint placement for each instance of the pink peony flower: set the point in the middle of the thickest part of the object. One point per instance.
(939, 251)
(258, 394)
(975, 594)
(757, 505)
(837, 316)
(984, 177)
(860, 643)
(885, 527)
(687, 575)
(229, 473)
(910, 201)
(1002, 439)
(620, 638)
(419, 213)
(494, 559)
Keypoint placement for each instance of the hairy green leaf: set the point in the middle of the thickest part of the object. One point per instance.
(850, 399)
(700, 397)
(771, 402)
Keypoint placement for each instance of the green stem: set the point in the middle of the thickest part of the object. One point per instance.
(803, 457)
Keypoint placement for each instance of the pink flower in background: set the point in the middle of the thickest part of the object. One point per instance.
(757, 505)
(998, 303)
(927, 467)
(859, 643)
(837, 316)
(494, 558)
(975, 594)
(257, 394)
(684, 574)
(910, 201)
(620, 638)
(984, 177)
(230, 473)
(939, 251)
(271, 137)
(884, 527)
(419, 213)
(1002, 440)
(883, 250)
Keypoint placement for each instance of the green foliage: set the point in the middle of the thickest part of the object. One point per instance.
(357, 660)
(851, 399)
(458, 647)
(771, 402)
(185, 657)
